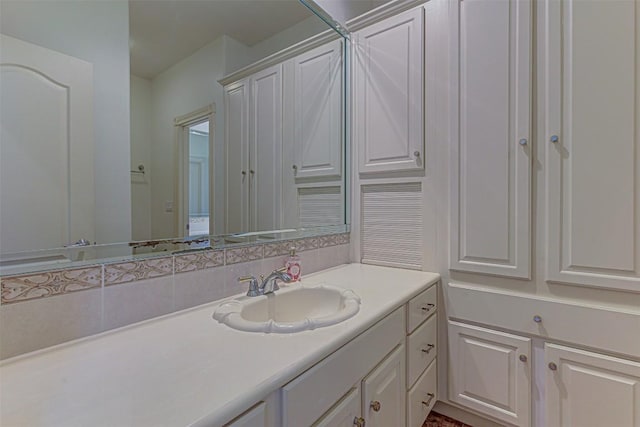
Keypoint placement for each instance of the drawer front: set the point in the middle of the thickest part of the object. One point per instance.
(422, 307)
(421, 349)
(572, 322)
(310, 395)
(422, 397)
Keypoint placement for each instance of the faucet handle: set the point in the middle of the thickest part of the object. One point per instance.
(253, 285)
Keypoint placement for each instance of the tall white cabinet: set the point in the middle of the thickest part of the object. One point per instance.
(578, 158)
(285, 141)
(253, 112)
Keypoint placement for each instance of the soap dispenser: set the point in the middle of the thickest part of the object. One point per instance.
(293, 265)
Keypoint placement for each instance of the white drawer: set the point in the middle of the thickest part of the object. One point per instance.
(572, 322)
(421, 349)
(310, 395)
(421, 307)
(422, 397)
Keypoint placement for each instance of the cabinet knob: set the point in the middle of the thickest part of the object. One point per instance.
(523, 142)
(416, 153)
(375, 405)
(428, 349)
(358, 422)
(428, 401)
(523, 358)
(244, 173)
(427, 308)
(537, 319)
(252, 172)
(554, 138)
(553, 366)
(294, 167)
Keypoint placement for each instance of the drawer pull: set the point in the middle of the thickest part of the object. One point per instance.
(427, 308)
(428, 402)
(375, 405)
(553, 366)
(428, 349)
(358, 422)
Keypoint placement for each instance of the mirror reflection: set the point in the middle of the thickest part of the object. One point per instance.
(158, 119)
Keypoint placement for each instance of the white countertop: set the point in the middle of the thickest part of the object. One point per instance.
(186, 368)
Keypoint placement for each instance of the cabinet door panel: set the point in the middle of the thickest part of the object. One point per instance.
(236, 101)
(389, 89)
(592, 87)
(591, 390)
(344, 413)
(386, 386)
(491, 120)
(265, 160)
(488, 374)
(318, 112)
(255, 417)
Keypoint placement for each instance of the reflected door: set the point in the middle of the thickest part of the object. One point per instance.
(46, 148)
(198, 197)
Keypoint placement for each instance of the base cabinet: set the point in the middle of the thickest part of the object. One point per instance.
(586, 389)
(490, 372)
(383, 392)
(347, 413)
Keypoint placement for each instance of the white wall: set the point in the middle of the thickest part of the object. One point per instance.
(187, 86)
(292, 35)
(141, 154)
(97, 32)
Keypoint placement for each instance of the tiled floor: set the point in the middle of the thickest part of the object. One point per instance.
(438, 420)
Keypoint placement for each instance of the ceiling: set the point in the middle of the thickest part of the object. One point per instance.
(162, 32)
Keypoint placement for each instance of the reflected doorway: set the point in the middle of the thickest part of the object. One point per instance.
(195, 173)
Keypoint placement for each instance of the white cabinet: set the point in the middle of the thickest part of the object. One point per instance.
(236, 105)
(490, 372)
(317, 116)
(383, 392)
(253, 111)
(265, 149)
(346, 413)
(591, 113)
(586, 389)
(255, 417)
(389, 94)
(491, 133)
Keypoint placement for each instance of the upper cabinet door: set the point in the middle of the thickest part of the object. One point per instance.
(317, 117)
(592, 137)
(236, 106)
(389, 94)
(491, 135)
(265, 149)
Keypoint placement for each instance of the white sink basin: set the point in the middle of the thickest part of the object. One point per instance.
(292, 309)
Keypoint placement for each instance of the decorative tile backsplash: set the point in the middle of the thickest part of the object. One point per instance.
(137, 270)
(243, 254)
(39, 285)
(198, 261)
(46, 284)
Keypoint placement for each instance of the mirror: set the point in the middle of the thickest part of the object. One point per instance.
(166, 121)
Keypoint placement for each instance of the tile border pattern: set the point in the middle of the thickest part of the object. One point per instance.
(25, 287)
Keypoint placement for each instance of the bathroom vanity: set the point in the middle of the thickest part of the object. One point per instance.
(377, 367)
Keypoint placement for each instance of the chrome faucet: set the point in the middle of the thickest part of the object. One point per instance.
(269, 284)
